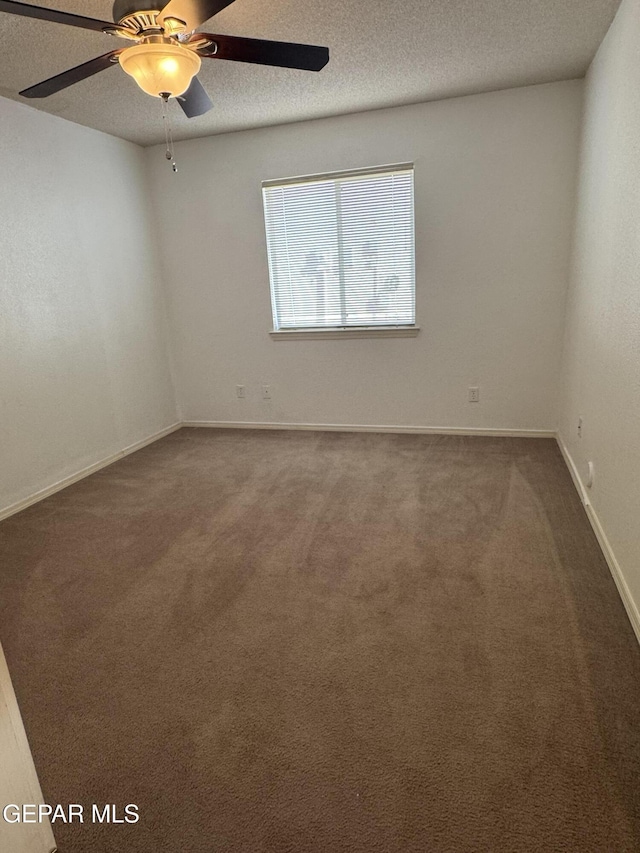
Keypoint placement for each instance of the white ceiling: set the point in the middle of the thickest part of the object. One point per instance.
(382, 54)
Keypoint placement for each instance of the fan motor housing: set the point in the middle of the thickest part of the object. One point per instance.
(125, 8)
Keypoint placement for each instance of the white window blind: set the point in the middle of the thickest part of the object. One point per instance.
(341, 249)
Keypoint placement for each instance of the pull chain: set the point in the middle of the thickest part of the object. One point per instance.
(168, 136)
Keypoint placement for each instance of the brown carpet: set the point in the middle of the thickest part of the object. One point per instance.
(320, 643)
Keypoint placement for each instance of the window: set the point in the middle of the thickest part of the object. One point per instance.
(341, 250)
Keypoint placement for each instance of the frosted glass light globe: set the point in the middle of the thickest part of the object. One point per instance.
(161, 69)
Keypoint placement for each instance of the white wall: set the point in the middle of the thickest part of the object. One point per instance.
(84, 368)
(495, 189)
(602, 350)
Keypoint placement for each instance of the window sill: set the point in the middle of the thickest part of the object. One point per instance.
(355, 332)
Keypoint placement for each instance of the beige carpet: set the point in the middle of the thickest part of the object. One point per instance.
(305, 642)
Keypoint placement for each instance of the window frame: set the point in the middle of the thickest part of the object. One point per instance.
(404, 330)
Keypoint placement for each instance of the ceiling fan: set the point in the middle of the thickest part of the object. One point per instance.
(167, 53)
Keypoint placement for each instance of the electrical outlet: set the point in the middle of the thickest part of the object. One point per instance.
(240, 391)
(579, 427)
(474, 395)
(266, 392)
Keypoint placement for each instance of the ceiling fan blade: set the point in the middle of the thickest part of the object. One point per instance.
(308, 57)
(193, 12)
(73, 75)
(54, 15)
(195, 101)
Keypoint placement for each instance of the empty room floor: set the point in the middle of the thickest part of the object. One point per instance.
(298, 641)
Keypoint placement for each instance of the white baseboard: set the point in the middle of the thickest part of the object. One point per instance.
(573, 470)
(417, 430)
(614, 566)
(40, 495)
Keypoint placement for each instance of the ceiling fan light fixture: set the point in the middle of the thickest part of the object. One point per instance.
(161, 69)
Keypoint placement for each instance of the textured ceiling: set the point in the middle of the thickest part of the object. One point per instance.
(382, 54)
